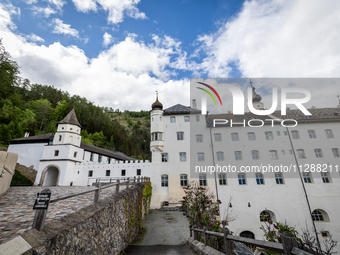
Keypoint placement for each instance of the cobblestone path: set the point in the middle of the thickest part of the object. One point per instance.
(16, 207)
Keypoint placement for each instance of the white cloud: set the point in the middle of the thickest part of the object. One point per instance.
(115, 9)
(125, 76)
(30, 1)
(45, 11)
(85, 5)
(6, 11)
(294, 38)
(61, 28)
(107, 39)
(58, 3)
(34, 38)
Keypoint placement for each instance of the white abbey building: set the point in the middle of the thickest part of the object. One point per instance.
(62, 159)
(184, 141)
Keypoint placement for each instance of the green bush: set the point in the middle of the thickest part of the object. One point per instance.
(20, 180)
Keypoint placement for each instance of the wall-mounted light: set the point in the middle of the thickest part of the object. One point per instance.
(249, 204)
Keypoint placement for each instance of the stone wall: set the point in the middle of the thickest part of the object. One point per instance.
(29, 172)
(103, 228)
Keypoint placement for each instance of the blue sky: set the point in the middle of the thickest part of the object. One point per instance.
(118, 53)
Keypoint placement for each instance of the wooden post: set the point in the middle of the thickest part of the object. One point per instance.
(195, 233)
(227, 243)
(97, 192)
(40, 215)
(117, 187)
(128, 182)
(205, 235)
(288, 243)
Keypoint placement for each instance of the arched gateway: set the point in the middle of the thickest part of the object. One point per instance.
(50, 176)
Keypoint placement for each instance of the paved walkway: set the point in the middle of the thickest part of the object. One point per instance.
(16, 207)
(166, 233)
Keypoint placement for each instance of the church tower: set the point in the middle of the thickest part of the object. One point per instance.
(68, 131)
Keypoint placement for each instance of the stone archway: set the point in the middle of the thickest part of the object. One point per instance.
(50, 176)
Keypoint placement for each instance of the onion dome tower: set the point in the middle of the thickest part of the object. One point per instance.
(156, 114)
(256, 99)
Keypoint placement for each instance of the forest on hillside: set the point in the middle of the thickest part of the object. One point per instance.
(36, 109)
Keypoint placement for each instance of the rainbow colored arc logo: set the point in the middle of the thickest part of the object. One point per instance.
(213, 90)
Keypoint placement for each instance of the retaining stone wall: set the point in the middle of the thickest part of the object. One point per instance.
(103, 228)
(29, 172)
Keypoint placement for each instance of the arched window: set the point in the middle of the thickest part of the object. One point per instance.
(265, 216)
(319, 215)
(247, 234)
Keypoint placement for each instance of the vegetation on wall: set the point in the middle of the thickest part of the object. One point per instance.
(36, 109)
(19, 179)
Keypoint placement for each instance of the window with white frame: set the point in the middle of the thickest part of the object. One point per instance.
(255, 154)
(285, 133)
(329, 133)
(91, 156)
(291, 152)
(325, 177)
(301, 153)
(238, 155)
(186, 118)
(197, 118)
(307, 177)
(317, 216)
(279, 178)
(164, 180)
(203, 180)
(242, 179)
(200, 156)
(199, 138)
(295, 134)
(100, 158)
(318, 153)
(278, 133)
(123, 172)
(273, 155)
(336, 152)
(220, 156)
(156, 136)
(218, 137)
(180, 135)
(182, 156)
(183, 180)
(165, 157)
(56, 153)
(283, 152)
(222, 178)
(235, 137)
(172, 119)
(269, 135)
(311, 134)
(251, 136)
(259, 178)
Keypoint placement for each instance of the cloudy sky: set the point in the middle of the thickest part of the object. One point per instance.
(117, 53)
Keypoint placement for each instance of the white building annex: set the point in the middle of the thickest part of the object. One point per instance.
(184, 142)
(61, 159)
